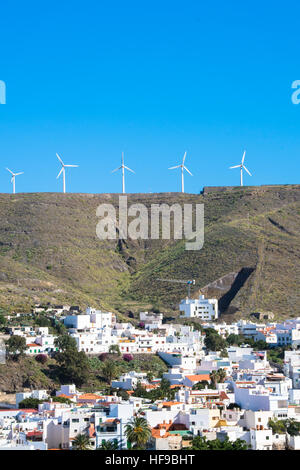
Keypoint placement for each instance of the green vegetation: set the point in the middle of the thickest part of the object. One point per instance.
(213, 341)
(16, 346)
(217, 376)
(74, 365)
(81, 442)
(138, 432)
(111, 444)
(201, 385)
(200, 443)
(27, 372)
(164, 391)
(290, 426)
(32, 403)
(114, 348)
(256, 227)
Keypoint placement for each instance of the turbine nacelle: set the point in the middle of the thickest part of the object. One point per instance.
(183, 167)
(12, 180)
(63, 171)
(242, 167)
(123, 167)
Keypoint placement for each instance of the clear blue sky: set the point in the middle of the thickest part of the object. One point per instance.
(90, 79)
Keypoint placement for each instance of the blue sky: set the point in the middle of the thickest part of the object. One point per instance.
(90, 79)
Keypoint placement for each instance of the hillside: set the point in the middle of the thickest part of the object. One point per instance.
(49, 252)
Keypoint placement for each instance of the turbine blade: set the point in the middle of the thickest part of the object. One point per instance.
(128, 169)
(183, 158)
(247, 170)
(60, 172)
(9, 170)
(116, 169)
(173, 167)
(20, 173)
(11, 180)
(243, 156)
(72, 166)
(60, 159)
(187, 170)
(236, 166)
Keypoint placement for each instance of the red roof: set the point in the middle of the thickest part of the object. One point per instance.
(198, 377)
(34, 433)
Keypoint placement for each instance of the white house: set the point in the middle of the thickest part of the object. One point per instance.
(205, 309)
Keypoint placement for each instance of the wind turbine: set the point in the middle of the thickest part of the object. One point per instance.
(242, 166)
(13, 178)
(63, 171)
(123, 167)
(183, 167)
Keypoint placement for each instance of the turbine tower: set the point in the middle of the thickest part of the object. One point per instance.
(242, 167)
(63, 171)
(123, 167)
(183, 167)
(13, 178)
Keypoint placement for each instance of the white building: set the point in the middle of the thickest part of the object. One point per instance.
(205, 309)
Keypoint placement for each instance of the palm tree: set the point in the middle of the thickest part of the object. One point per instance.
(109, 371)
(222, 375)
(81, 442)
(112, 444)
(214, 378)
(138, 432)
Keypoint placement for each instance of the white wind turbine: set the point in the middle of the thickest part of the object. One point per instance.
(13, 178)
(242, 167)
(183, 167)
(63, 171)
(123, 167)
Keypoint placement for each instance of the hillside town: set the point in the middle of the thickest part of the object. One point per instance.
(235, 385)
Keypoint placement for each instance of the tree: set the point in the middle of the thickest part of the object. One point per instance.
(16, 346)
(114, 348)
(81, 442)
(200, 385)
(65, 342)
(111, 444)
(260, 345)
(74, 366)
(231, 406)
(2, 320)
(214, 378)
(278, 426)
(213, 341)
(59, 327)
(140, 391)
(30, 403)
(138, 432)
(165, 390)
(109, 371)
(200, 443)
(217, 376)
(43, 321)
(292, 427)
(61, 400)
(221, 375)
(120, 393)
(150, 376)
